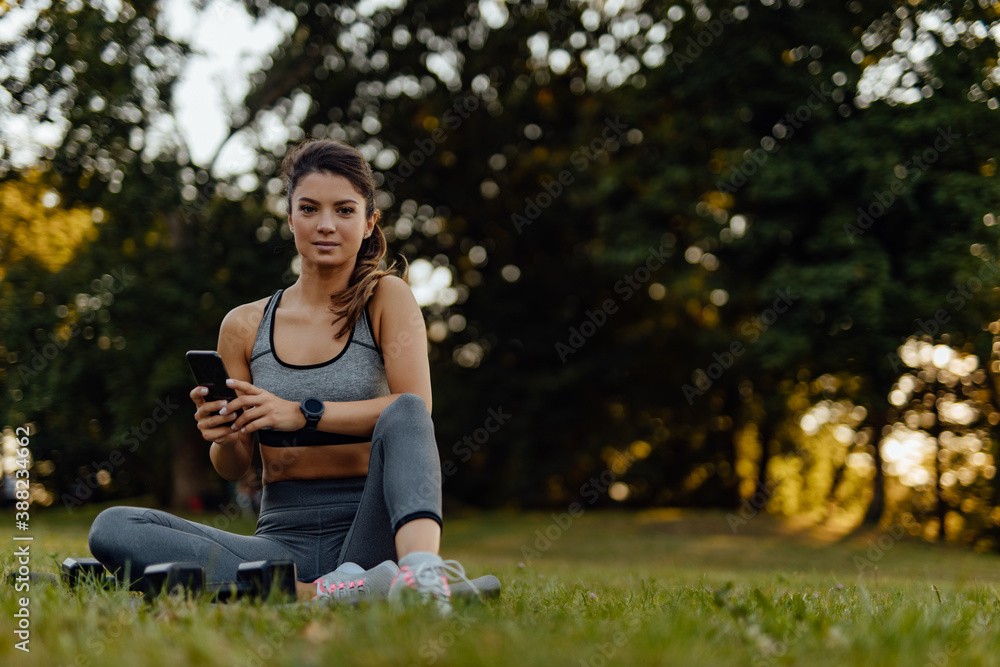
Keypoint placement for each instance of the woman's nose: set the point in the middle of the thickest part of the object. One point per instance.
(326, 222)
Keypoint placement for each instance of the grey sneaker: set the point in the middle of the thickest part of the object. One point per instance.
(423, 579)
(486, 587)
(349, 584)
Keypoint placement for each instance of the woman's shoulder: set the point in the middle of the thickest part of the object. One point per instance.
(392, 297)
(391, 287)
(392, 293)
(242, 321)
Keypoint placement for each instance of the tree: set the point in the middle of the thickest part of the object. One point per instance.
(154, 282)
(663, 225)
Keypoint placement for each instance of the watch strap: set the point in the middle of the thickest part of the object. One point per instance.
(312, 417)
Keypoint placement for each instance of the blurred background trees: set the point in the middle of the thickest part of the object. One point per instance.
(703, 249)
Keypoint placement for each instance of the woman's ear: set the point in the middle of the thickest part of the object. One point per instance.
(370, 225)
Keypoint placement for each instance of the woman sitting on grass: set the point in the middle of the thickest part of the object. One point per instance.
(350, 466)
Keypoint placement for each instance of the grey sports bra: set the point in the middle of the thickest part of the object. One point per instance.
(356, 374)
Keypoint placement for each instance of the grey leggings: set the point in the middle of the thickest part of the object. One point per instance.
(319, 524)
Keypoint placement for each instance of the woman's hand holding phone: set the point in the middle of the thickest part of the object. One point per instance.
(212, 397)
(214, 424)
(226, 406)
(220, 421)
(262, 409)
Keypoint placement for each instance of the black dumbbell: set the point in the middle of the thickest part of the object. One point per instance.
(259, 579)
(77, 570)
(171, 577)
(264, 578)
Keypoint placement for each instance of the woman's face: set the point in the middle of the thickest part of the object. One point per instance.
(328, 219)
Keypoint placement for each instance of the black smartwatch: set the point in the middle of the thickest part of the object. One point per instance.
(312, 408)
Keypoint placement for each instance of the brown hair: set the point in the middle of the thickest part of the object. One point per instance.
(335, 157)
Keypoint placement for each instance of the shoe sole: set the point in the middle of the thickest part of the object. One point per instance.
(488, 587)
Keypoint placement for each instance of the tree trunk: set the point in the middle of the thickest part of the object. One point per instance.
(767, 430)
(942, 507)
(838, 477)
(190, 456)
(877, 506)
(724, 446)
(992, 384)
(190, 452)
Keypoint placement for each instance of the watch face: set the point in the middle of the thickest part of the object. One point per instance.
(313, 406)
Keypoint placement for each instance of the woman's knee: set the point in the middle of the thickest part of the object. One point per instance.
(108, 529)
(407, 409)
(409, 403)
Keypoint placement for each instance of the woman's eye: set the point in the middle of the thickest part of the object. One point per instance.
(346, 210)
(307, 208)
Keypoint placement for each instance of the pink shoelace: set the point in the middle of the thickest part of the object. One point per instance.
(431, 581)
(339, 589)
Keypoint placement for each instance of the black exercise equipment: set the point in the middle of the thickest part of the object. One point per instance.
(263, 578)
(172, 578)
(78, 570)
(257, 579)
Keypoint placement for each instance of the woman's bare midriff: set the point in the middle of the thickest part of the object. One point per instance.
(318, 462)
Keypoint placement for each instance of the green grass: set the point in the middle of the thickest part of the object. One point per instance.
(611, 588)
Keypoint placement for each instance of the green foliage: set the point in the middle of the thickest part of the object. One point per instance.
(678, 590)
(652, 246)
(165, 268)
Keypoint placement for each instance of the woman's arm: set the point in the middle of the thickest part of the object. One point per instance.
(402, 337)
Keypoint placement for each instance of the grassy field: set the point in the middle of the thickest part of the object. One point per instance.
(653, 588)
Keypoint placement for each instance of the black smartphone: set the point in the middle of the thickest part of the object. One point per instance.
(210, 371)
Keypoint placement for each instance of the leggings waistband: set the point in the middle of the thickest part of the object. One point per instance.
(311, 493)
